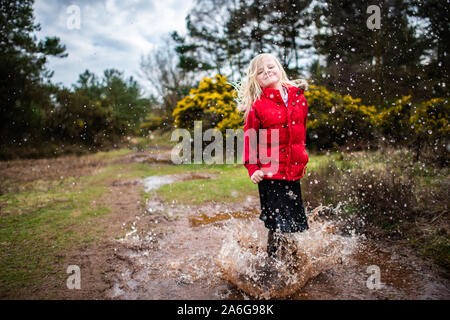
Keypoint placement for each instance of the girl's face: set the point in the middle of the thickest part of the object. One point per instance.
(268, 74)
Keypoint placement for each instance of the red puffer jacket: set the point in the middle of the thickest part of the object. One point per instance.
(269, 112)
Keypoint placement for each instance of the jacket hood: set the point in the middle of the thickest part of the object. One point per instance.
(301, 84)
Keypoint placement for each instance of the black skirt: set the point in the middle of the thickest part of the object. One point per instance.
(282, 205)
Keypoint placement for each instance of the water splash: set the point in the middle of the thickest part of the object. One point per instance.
(244, 262)
(215, 251)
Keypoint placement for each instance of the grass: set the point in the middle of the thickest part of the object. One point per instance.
(36, 226)
(157, 138)
(395, 196)
(110, 156)
(439, 251)
(232, 185)
(46, 217)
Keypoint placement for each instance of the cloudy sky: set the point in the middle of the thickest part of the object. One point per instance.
(101, 34)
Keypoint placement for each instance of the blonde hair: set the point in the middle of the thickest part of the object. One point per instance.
(249, 91)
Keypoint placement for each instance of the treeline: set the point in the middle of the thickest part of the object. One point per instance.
(335, 121)
(408, 55)
(39, 118)
(369, 87)
(96, 110)
(94, 114)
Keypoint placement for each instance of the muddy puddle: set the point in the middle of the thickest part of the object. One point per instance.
(154, 182)
(218, 251)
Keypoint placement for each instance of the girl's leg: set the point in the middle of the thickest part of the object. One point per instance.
(274, 239)
(271, 248)
(282, 246)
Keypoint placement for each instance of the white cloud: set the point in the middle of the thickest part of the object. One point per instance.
(112, 34)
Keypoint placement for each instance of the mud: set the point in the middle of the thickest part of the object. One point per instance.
(217, 251)
(152, 156)
(15, 173)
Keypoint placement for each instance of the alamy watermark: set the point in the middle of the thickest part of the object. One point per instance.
(213, 152)
(373, 21)
(74, 280)
(374, 280)
(74, 19)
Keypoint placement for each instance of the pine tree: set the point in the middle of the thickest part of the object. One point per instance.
(22, 68)
(374, 64)
(436, 14)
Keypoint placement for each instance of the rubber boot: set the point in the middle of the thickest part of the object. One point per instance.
(273, 243)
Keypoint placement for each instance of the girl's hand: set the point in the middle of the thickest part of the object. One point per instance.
(257, 176)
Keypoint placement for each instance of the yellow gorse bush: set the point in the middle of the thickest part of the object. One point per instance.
(393, 120)
(332, 119)
(431, 118)
(212, 102)
(336, 118)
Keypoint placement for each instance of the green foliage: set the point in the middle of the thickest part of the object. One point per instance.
(337, 119)
(227, 34)
(430, 128)
(152, 123)
(98, 112)
(409, 52)
(342, 120)
(371, 64)
(212, 103)
(123, 96)
(429, 120)
(22, 71)
(437, 34)
(94, 114)
(393, 121)
(36, 114)
(422, 126)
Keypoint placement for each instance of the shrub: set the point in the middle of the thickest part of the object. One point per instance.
(212, 103)
(150, 124)
(393, 121)
(430, 129)
(337, 119)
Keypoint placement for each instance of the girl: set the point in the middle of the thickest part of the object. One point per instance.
(272, 102)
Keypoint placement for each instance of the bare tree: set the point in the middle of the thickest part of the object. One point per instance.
(170, 83)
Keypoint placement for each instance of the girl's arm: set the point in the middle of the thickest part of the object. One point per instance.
(251, 159)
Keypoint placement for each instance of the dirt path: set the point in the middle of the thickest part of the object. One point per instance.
(181, 262)
(158, 250)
